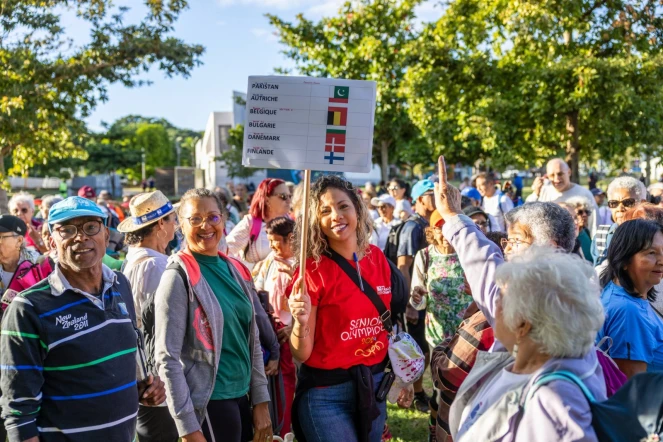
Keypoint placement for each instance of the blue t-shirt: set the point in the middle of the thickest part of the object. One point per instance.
(635, 329)
(412, 237)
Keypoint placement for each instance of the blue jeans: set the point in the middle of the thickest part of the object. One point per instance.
(328, 414)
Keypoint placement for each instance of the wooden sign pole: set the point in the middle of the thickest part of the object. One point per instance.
(304, 244)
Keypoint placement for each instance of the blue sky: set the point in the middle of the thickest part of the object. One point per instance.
(239, 42)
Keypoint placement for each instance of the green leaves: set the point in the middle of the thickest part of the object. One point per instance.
(496, 81)
(364, 41)
(233, 156)
(47, 84)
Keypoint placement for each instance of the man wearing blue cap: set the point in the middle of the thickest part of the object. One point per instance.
(69, 346)
(412, 238)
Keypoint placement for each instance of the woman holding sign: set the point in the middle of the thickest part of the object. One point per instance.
(337, 332)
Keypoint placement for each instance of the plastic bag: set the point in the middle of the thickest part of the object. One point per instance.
(407, 359)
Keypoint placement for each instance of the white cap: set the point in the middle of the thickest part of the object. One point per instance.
(655, 186)
(385, 198)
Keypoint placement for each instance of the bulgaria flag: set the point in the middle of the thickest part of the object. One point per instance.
(335, 137)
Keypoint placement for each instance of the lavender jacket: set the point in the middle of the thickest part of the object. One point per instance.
(558, 411)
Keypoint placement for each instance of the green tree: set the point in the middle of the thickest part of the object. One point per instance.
(49, 83)
(135, 137)
(186, 138)
(363, 42)
(514, 82)
(233, 156)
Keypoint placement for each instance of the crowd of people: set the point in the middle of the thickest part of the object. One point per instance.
(190, 320)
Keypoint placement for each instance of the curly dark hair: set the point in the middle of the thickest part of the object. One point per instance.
(317, 241)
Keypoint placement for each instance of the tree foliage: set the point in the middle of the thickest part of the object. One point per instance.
(233, 156)
(362, 42)
(49, 83)
(514, 82)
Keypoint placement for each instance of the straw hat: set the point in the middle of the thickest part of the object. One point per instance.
(146, 209)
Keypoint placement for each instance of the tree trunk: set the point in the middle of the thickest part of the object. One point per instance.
(647, 168)
(572, 147)
(384, 160)
(4, 201)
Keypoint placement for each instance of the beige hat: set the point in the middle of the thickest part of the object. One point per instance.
(146, 209)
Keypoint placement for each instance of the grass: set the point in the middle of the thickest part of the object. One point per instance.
(410, 425)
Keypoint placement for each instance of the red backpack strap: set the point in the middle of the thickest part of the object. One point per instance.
(241, 268)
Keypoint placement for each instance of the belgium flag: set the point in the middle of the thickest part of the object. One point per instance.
(337, 116)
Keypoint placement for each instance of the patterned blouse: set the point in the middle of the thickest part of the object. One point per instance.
(448, 294)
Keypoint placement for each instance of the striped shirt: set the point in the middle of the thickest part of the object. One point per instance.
(68, 362)
(452, 361)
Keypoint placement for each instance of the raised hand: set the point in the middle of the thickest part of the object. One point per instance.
(447, 197)
(537, 185)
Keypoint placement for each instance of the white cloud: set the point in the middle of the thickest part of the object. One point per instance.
(276, 4)
(265, 35)
(327, 8)
(429, 11)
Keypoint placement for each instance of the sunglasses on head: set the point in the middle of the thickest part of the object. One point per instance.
(628, 202)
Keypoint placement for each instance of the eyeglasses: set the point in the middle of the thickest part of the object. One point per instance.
(284, 196)
(7, 236)
(582, 212)
(23, 210)
(212, 219)
(628, 202)
(393, 188)
(88, 229)
(482, 224)
(514, 243)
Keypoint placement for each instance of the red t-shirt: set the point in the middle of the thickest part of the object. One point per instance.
(348, 329)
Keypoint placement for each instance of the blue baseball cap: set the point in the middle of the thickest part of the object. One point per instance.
(422, 187)
(471, 192)
(73, 207)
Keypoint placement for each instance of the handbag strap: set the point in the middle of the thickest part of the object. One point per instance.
(562, 375)
(364, 286)
(656, 310)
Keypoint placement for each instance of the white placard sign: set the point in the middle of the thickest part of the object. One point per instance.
(309, 123)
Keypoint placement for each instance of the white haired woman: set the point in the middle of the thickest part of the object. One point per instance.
(624, 193)
(22, 205)
(46, 203)
(523, 301)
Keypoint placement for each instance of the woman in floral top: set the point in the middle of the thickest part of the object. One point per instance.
(438, 285)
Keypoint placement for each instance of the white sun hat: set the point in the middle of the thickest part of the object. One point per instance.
(146, 209)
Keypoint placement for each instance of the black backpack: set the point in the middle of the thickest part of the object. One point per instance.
(400, 295)
(148, 319)
(394, 239)
(633, 414)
